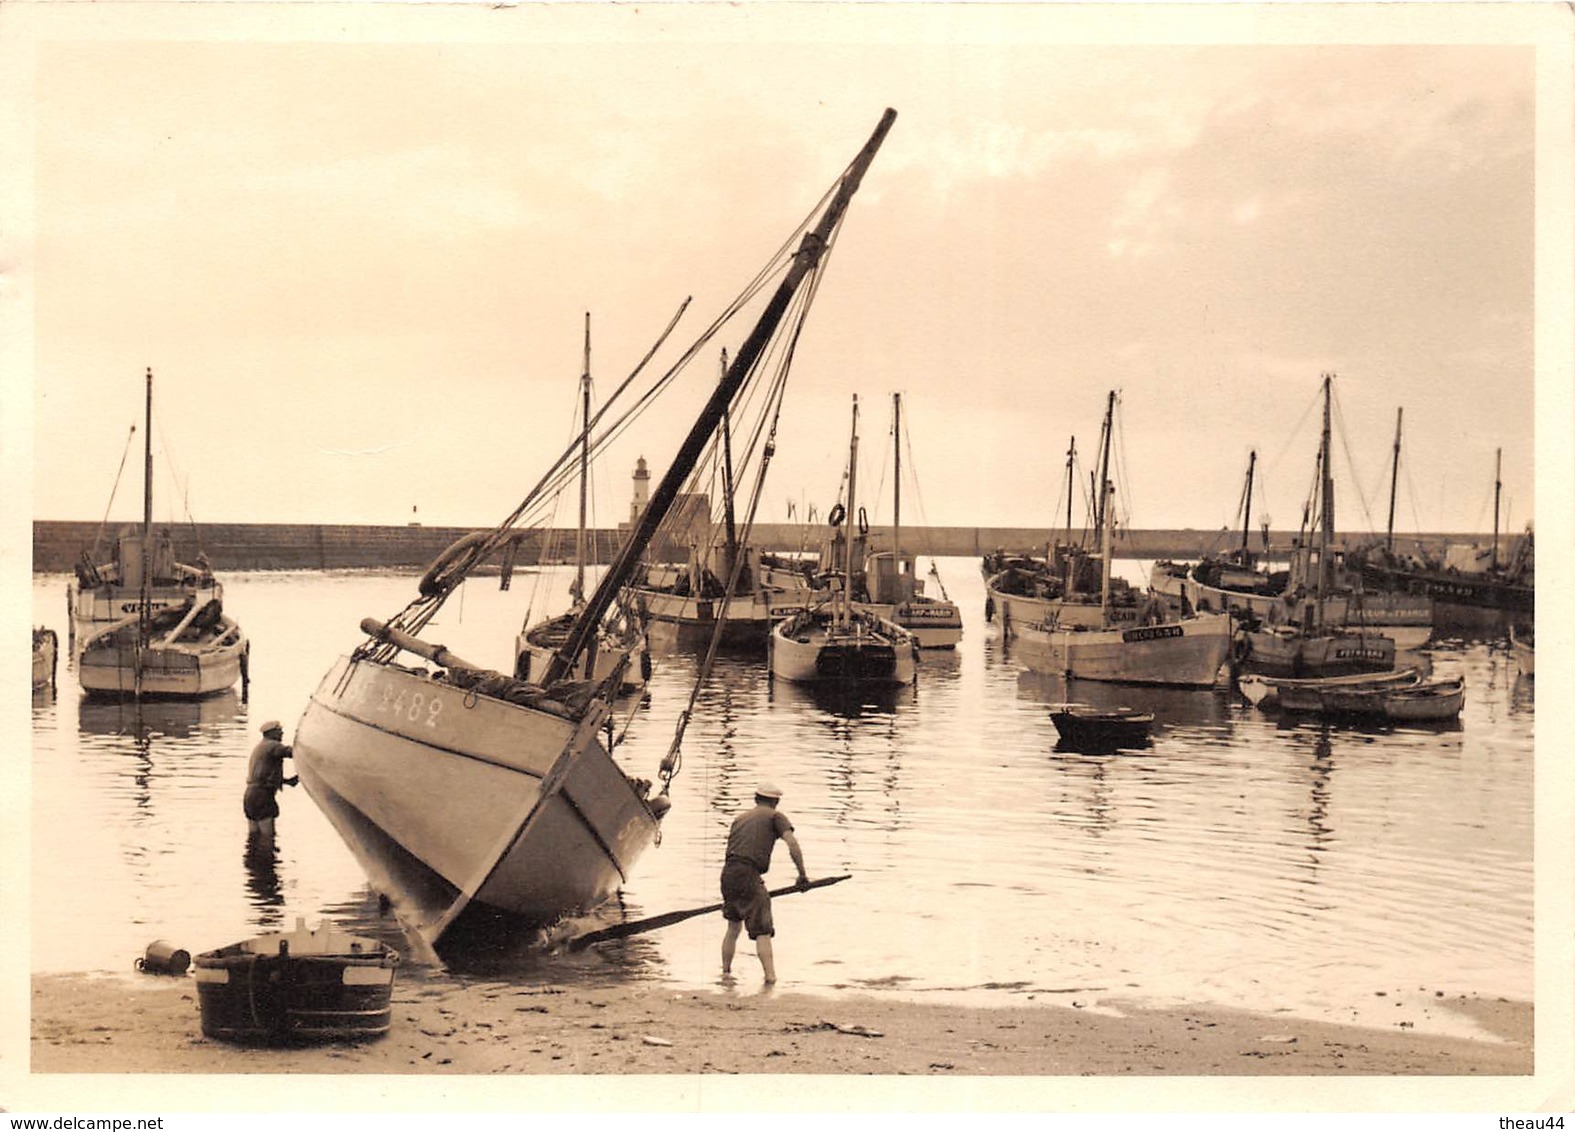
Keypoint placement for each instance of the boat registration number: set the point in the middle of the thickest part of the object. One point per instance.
(422, 708)
(1151, 633)
(1360, 654)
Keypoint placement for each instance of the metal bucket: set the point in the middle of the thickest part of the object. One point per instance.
(164, 958)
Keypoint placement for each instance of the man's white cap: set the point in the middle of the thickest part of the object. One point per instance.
(271, 725)
(767, 790)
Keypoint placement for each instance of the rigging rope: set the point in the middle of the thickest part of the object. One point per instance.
(99, 536)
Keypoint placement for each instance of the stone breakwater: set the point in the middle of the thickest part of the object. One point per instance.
(58, 544)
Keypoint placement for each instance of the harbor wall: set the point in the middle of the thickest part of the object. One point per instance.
(59, 544)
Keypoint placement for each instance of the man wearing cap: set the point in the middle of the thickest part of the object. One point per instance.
(746, 903)
(265, 778)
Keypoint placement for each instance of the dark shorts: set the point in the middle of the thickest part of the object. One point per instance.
(260, 803)
(745, 899)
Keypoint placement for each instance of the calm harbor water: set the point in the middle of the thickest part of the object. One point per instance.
(1239, 860)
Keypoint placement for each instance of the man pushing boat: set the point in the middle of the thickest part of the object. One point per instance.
(746, 903)
(265, 778)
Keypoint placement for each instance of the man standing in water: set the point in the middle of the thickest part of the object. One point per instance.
(265, 778)
(746, 903)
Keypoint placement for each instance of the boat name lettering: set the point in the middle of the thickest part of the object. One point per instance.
(926, 613)
(133, 606)
(1151, 633)
(1360, 654)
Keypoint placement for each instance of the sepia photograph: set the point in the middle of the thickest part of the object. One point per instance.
(699, 558)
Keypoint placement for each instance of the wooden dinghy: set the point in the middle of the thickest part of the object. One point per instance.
(299, 986)
(1085, 727)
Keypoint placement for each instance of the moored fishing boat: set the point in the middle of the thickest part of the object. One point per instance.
(1066, 588)
(297, 987)
(146, 626)
(836, 641)
(1153, 648)
(620, 641)
(888, 585)
(1312, 638)
(462, 789)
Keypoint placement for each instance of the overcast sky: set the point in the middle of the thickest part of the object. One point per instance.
(357, 253)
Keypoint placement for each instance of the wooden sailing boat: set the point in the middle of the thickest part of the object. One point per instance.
(888, 586)
(837, 640)
(1312, 638)
(459, 788)
(1153, 649)
(724, 586)
(1458, 582)
(620, 645)
(1066, 588)
(144, 625)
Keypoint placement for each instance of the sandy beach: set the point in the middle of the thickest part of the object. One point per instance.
(151, 1025)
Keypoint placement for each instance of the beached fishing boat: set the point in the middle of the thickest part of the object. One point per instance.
(1153, 648)
(46, 650)
(461, 789)
(297, 987)
(1311, 638)
(837, 641)
(143, 625)
(1083, 727)
(620, 642)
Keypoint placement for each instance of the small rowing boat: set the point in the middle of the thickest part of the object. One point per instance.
(1085, 727)
(297, 986)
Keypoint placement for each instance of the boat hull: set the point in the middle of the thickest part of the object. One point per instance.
(116, 668)
(1089, 729)
(1014, 611)
(747, 620)
(1187, 653)
(297, 988)
(934, 624)
(807, 649)
(1271, 653)
(448, 797)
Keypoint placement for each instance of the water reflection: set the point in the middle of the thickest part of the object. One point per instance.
(844, 701)
(144, 720)
(1240, 859)
(262, 880)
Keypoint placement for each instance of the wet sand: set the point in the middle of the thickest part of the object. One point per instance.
(151, 1025)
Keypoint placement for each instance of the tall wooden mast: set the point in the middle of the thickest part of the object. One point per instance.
(805, 260)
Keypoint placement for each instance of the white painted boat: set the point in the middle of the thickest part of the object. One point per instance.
(145, 625)
(836, 641)
(1187, 653)
(888, 584)
(822, 646)
(1153, 649)
(189, 653)
(461, 789)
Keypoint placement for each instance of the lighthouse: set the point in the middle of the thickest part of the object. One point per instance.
(642, 490)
